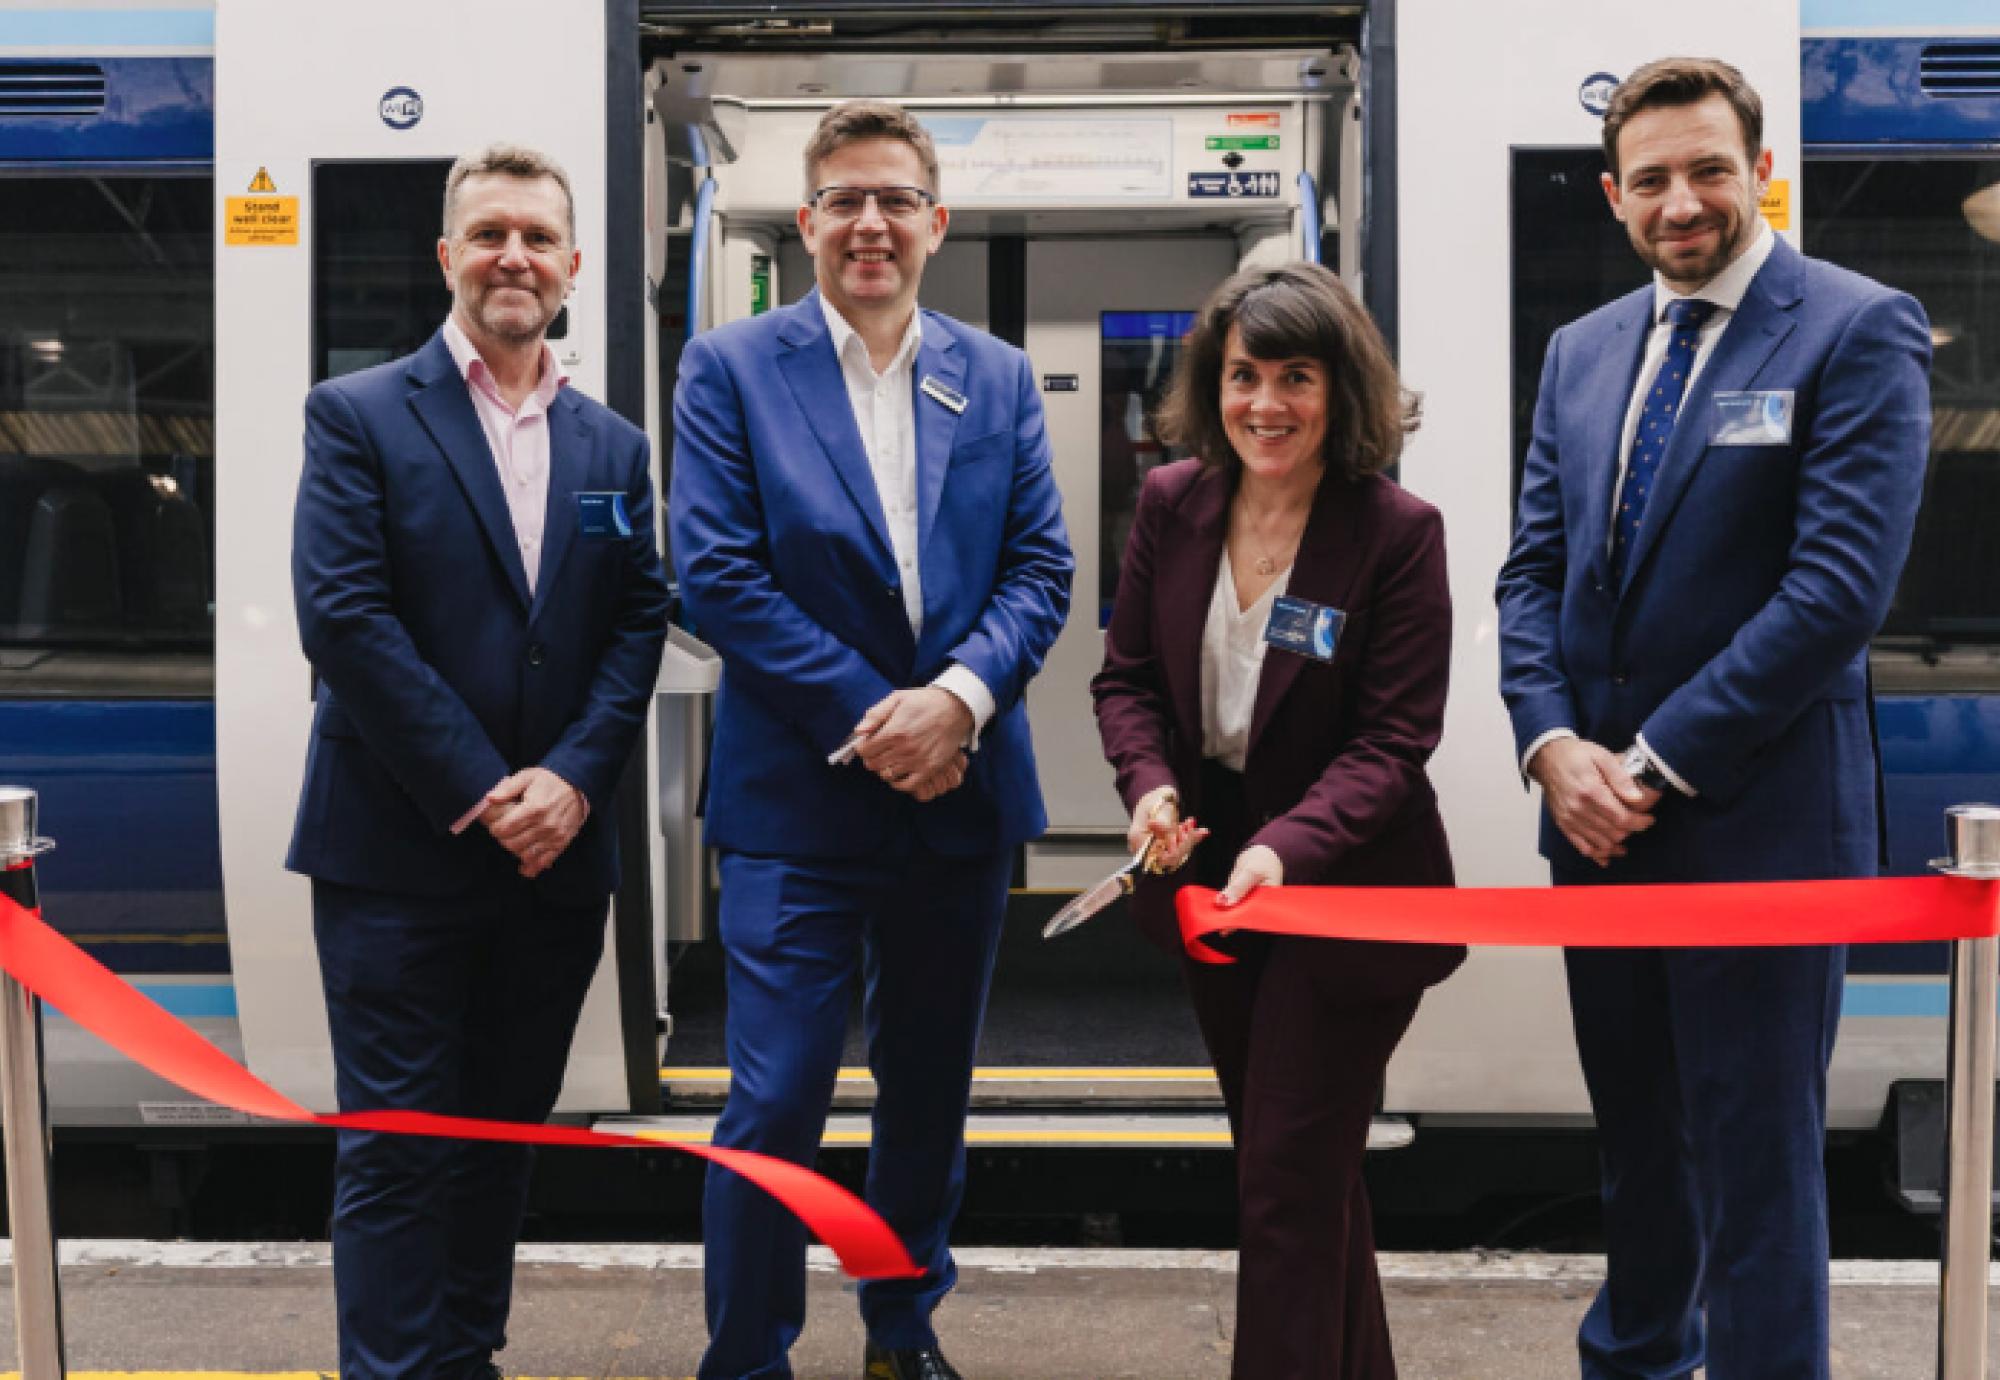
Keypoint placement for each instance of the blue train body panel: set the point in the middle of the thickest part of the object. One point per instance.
(128, 793)
(1937, 751)
(1870, 92)
(158, 113)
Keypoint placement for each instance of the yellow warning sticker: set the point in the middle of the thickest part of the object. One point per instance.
(261, 220)
(262, 181)
(1776, 204)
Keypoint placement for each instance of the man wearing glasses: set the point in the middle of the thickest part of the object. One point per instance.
(865, 526)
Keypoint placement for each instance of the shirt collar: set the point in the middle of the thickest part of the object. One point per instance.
(1726, 288)
(842, 333)
(473, 369)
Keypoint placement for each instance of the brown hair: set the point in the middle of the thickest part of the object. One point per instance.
(1683, 81)
(1295, 311)
(506, 160)
(851, 122)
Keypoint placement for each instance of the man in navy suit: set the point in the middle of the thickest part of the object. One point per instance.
(480, 593)
(1719, 495)
(866, 527)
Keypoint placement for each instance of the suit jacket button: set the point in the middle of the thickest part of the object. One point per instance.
(1621, 677)
(537, 654)
(892, 591)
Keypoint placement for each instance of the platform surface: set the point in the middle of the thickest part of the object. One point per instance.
(243, 1310)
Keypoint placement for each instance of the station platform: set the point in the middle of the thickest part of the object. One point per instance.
(266, 1310)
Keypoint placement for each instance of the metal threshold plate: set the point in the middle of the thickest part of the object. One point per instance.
(996, 1130)
(999, 1085)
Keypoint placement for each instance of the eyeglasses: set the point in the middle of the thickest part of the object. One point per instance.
(896, 203)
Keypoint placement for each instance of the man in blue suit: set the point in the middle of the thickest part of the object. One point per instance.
(866, 527)
(480, 594)
(1719, 495)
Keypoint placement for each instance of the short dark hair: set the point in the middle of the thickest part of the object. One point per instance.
(851, 122)
(1683, 81)
(1295, 311)
(506, 160)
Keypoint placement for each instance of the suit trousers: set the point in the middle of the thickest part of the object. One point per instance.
(1707, 1075)
(464, 1006)
(1300, 1045)
(920, 930)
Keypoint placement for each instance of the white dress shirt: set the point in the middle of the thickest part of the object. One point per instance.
(885, 412)
(1232, 662)
(1726, 291)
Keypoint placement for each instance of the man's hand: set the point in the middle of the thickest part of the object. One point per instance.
(1595, 804)
(534, 814)
(915, 740)
(1255, 866)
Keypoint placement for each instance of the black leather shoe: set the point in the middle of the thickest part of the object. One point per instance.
(927, 1363)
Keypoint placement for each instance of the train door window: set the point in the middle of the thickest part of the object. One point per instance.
(1931, 227)
(377, 290)
(1570, 256)
(1137, 351)
(107, 436)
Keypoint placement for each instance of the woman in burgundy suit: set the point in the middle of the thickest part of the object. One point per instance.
(1275, 667)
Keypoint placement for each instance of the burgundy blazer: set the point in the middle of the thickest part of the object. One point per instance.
(1335, 766)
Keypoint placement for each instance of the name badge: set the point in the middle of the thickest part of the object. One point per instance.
(1752, 419)
(1299, 625)
(950, 397)
(602, 515)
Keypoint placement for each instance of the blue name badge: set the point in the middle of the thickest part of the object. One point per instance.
(602, 515)
(1299, 625)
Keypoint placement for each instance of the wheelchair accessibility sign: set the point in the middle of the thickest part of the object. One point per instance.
(1233, 184)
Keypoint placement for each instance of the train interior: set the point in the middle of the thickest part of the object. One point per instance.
(1095, 200)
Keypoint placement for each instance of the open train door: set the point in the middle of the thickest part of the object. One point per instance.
(334, 127)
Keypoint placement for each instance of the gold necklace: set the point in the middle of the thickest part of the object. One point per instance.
(1265, 564)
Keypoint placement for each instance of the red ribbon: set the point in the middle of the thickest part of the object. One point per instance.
(95, 998)
(1879, 910)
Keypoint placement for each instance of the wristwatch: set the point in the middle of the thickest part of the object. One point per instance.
(1641, 768)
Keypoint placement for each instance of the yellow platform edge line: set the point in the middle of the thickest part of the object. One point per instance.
(252, 1375)
(1023, 1074)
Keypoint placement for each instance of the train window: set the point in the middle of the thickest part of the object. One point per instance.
(377, 290)
(107, 436)
(1931, 227)
(1570, 257)
(1136, 354)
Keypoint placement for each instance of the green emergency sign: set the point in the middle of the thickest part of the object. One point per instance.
(1243, 141)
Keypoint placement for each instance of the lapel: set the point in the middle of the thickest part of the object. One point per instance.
(812, 371)
(569, 468)
(1330, 550)
(443, 404)
(1611, 373)
(1761, 321)
(1186, 563)
(938, 357)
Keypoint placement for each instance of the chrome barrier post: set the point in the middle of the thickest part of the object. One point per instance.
(1973, 833)
(24, 1109)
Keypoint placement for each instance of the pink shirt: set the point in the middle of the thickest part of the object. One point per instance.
(518, 438)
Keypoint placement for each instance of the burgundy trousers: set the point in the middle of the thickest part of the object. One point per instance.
(1300, 1042)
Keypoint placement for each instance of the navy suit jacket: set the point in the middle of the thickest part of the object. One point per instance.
(438, 674)
(1737, 640)
(785, 566)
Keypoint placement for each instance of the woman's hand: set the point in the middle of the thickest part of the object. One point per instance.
(1255, 866)
(1156, 822)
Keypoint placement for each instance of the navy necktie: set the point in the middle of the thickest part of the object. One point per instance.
(1656, 424)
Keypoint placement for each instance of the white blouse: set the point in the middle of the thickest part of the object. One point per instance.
(1232, 659)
